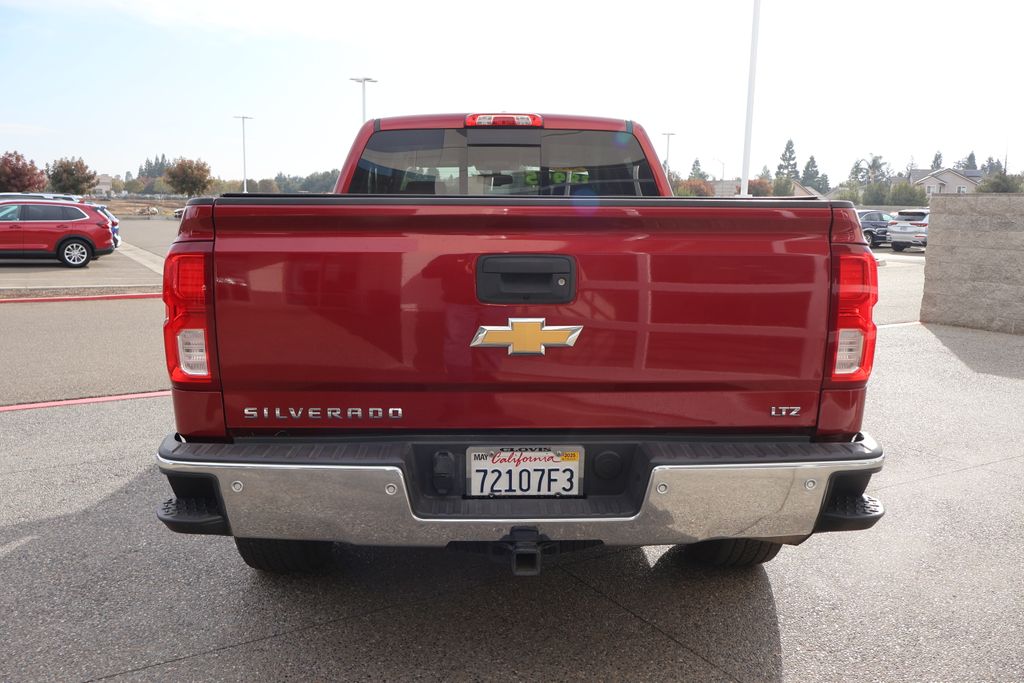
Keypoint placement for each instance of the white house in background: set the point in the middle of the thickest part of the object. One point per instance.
(103, 184)
(946, 181)
(726, 188)
(801, 190)
(731, 188)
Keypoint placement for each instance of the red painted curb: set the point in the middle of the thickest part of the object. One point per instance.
(97, 297)
(81, 401)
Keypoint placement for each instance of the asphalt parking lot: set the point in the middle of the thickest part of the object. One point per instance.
(94, 587)
(133, 268)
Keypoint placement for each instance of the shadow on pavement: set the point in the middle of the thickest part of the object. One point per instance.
(108, 590)
(35, 263)
(990, 353)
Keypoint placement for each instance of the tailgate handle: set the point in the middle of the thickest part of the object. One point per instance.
(526, 278)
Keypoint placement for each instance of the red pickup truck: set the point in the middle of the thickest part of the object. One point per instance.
(503, 333)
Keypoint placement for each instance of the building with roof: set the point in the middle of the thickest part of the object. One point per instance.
(946, 180)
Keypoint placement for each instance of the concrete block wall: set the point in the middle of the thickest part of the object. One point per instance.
(974, 271)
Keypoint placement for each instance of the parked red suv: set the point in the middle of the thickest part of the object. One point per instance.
(37, 228)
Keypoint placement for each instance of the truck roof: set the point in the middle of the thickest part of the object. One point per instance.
(555, 121)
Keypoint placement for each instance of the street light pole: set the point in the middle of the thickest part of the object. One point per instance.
(668, 143)
(750, 98)
(722, 176)
(245, 174)
(363, 81)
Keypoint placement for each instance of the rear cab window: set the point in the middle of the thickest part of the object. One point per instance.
(495, 161)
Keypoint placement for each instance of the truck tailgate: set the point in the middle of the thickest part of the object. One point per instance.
(344, 313)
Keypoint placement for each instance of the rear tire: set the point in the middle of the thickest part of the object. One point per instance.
(284, 557)
(75, 253)
(732, 552)
(898, 247)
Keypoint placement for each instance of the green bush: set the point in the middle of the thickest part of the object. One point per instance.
(905, 194)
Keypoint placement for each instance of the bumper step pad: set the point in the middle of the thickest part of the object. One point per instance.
(849, 513)
(194, 516)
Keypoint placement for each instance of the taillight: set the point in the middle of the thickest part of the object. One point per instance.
(188, 327)
(524, 120)
(854, 294)
(920, 225)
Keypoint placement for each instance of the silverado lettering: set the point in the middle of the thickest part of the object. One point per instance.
(451, 272)
(321, 413)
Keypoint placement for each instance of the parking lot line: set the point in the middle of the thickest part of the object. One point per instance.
(81, 401)
(93, 297)
(143, 257)
(912, 322)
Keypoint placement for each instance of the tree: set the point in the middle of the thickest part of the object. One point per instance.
(870, 170)
(787, 163)
(968, 163)
(874, 194)
(117, 185)
(20, 175)
(267, 185)
(189, 176)
(1000, 182)
(695, 187)
(783, 186)
(905, 194)
(758, 187)
(812, 178)
(937, 161)
(992, 166)
(765, 174)
(811, 173)
(70, 175)
(288, 183)
(849, 192)
(134, 186)
(161, 186)
(320, 182)
(696, 173)
(673, 179)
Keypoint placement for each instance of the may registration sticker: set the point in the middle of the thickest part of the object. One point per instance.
(524, 470)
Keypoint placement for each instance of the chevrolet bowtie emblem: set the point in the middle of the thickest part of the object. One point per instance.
(527, 336)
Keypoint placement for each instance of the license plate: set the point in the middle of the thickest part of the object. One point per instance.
(546, 471)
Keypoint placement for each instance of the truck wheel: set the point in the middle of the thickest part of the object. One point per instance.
(732, 552)
(898, 247)
(75, 253)
(284, 557)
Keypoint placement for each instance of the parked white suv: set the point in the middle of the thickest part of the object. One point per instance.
(909, 229)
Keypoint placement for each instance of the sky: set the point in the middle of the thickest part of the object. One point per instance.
(117, 81)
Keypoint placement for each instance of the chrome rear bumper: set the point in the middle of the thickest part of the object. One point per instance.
(372, 505)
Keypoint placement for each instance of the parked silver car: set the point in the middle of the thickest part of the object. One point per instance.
(909, 229)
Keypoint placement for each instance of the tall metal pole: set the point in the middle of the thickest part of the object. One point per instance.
(363, 81)
(668, 144)
(750, 98)
(245, 174)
